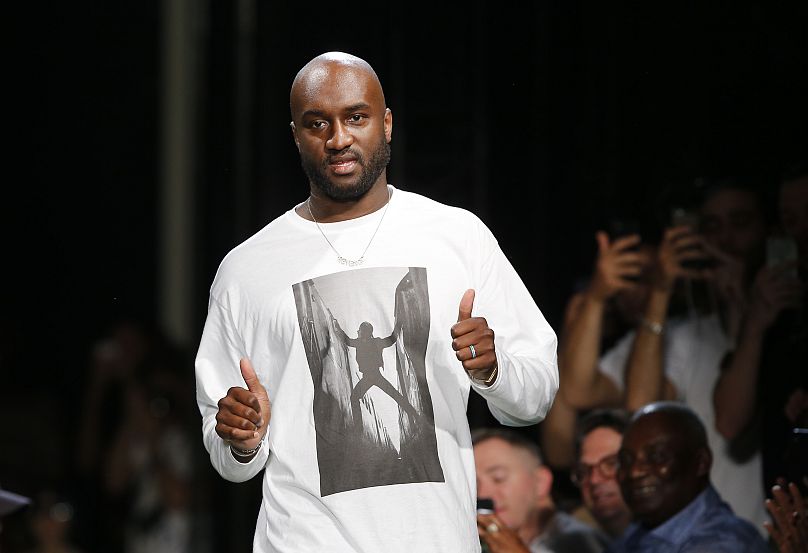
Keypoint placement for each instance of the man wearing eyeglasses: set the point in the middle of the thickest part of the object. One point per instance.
(595, 473)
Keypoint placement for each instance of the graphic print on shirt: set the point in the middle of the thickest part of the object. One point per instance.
(365, 334)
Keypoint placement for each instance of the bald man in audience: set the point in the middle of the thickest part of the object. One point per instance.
(664, 475)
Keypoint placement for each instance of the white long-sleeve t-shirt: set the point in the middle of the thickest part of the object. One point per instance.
(368, 446)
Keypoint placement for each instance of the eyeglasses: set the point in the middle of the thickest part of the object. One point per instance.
(606, 467)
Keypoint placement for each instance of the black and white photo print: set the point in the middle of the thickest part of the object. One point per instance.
(365, 332)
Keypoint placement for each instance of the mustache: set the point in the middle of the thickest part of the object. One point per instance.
(347, 152)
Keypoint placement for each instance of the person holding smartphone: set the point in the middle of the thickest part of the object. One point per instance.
(681, 359)
(767, 371)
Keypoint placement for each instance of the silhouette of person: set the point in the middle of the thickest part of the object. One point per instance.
(369, 358)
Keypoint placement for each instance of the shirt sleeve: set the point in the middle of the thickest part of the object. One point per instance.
(217, 370)
(526, 345)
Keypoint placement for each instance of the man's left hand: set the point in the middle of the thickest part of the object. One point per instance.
(473, 341)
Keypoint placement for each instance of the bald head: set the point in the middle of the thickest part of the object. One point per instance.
(342, 128)
(346, 69)
(664, 461)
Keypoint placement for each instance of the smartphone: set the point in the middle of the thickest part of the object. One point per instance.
(780, 250)
(796, 458)
(485, 506)
(682, 217)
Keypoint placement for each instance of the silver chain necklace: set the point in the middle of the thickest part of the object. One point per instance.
(340, 258)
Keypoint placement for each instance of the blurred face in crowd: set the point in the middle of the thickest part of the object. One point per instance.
(596, 474)
(732, 221)
(794, 213)
(661, 470)
(515, 480)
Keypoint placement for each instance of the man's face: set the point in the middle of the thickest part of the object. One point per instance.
(601, 494)
(513, 479)
(342, 129)
(659, 475)
(732, 221)
(794, 212)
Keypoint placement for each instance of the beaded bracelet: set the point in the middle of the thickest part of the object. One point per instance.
(245, 453)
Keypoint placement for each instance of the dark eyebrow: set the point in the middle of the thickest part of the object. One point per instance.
(349, 109)
(312, 112)
(357, 107)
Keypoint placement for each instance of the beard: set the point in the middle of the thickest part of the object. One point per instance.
(370, 171)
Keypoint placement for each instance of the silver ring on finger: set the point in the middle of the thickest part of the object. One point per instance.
(492, 528)
(473, 352)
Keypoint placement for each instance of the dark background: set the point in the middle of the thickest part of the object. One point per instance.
(545, 118)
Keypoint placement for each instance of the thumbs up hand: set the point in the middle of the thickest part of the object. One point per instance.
(473, 341)
(243, 416)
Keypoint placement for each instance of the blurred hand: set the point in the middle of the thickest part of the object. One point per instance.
(243, 416)
(498, 537)
(679, 245)
(789, 528)
(617, 262)
(796, 405)
(774, 290)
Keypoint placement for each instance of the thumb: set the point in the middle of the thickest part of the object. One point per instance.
(603, 241)
(250, 378)
(466, 305)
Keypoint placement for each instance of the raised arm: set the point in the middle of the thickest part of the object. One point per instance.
(524, 346)
(735, 392)
(232, 400)
(645, 371)
(582, 385)
(341, 333)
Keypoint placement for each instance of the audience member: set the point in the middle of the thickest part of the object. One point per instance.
(510, 472)
(664, 475)
(135, 447)
(773, 340)
(601, 315)
(599, 436)
(682, 359)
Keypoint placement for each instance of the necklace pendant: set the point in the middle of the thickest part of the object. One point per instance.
(350, 262)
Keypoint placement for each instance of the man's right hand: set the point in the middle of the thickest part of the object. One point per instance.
(679, 245)
(243, 416)
(616, 264)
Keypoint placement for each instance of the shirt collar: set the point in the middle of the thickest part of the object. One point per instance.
(678, 528)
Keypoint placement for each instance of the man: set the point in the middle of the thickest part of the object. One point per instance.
(359, 250)
(600, 434)
(510, 473)
(664, 475)
(683, 359)
(765, 377)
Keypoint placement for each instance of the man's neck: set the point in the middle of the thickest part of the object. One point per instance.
(328, 210)
(540, 524)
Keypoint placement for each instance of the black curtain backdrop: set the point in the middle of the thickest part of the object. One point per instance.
(545, 118)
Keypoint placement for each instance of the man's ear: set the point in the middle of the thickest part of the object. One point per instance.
(294, 134)
(544, 481)
(388, 125)
(704, 461)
